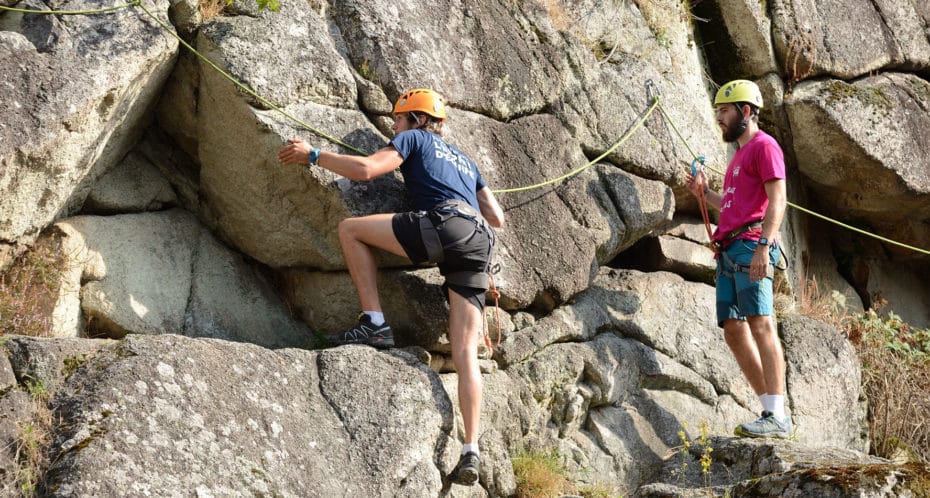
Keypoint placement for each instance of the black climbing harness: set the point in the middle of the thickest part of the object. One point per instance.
(436, 250)
(729, 266)
(720, 245)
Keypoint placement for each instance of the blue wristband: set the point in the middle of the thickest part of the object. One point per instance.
(314, 156)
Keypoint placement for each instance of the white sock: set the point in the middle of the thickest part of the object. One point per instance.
(774, 403)
(377, 317)
(763, 399)
(471, 448)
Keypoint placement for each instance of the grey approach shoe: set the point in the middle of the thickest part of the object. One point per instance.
(766, 426)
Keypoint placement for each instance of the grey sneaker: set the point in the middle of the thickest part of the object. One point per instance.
(466, 472)
(766, 426)
(364, 332)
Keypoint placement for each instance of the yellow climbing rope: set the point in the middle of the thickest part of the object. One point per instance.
(167, 29)
(248, 90)
(671, 122)
(72, 12)
(656, 104)
(639, 122)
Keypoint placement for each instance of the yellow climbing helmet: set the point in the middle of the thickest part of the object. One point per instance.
(421, 100)
(739, 91)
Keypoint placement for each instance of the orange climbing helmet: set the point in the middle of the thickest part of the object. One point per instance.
(421, 100)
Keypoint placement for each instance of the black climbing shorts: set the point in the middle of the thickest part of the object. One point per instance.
(470, 255)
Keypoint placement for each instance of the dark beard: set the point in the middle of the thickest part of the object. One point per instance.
(733, 132)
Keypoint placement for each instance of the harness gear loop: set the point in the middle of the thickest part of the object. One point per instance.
(782, 264)
(729, 263)
(435, 249)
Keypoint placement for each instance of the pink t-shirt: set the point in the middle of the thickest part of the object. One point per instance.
(744, 199)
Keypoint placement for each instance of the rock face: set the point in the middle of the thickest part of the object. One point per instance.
(158, 273)
(134, 185)
(611, 392)
(871, 163)
(788, 469)
(209, 268)
(286, 216)
(76, 93)
(849, 39)
(226, 434)
(877, 138)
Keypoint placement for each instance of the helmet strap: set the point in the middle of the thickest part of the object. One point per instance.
(744, 122)
(741, 128)
(415, 118)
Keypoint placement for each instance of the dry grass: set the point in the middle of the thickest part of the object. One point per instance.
(895, 360)
(542, 474)
(31, 448)
(795, 68)
(211, 8)
(827, 307)
(29, 290)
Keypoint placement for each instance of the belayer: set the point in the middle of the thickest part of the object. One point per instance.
(752, 207)
(454, 211)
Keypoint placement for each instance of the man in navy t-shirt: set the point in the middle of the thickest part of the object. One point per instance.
(450, 225)
(435, 171)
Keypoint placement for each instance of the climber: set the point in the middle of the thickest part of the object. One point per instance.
(751, 207)
(454, 211)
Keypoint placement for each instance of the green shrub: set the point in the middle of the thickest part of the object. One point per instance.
(895, 361)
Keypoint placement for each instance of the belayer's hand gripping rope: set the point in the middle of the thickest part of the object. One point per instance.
(694, 165)
(702, 199)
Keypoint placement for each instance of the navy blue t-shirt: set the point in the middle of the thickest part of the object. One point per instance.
(435, 171)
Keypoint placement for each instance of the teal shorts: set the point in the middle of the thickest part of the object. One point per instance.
(737, 297)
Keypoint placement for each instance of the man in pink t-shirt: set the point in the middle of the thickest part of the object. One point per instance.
(752, 207)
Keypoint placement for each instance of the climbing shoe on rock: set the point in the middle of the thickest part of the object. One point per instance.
(364, 332)
(466, 472)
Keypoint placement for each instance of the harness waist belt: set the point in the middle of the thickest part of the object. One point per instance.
(724, 242)
(445, 210)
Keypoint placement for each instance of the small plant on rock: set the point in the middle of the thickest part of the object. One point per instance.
(684, 452)
(800, 59)
(212, 8)
(706, 450)
(814, 303)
